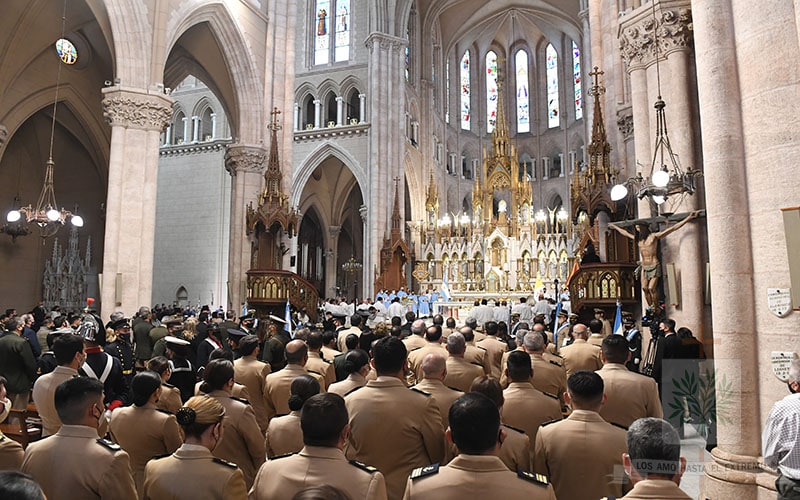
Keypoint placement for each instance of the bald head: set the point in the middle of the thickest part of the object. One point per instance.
(296, 352)
(433, 366)
(456, 345)
(468, 334)
(418, 327)
(580, 331)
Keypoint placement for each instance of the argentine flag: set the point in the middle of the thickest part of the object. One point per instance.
(445, 288)
(288, 318)
(618, 320)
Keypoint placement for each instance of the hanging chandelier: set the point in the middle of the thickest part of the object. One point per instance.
(666, 177)
(46, 214)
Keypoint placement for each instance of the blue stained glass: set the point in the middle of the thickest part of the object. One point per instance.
(523, 101)
(551, 65)
(465, 92)
(576, 79)
(491, 91)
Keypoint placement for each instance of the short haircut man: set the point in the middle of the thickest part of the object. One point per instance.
(322, 420)
(519, 367)
(73, 396)
(418, 327)
(248, 345)
(595, 326)
(314, 341)
(65, 347)
(451, 322)
(468, 333)
(533, 342)
(433, 333)
(490, 327)
(456, 344)
(389, 355)
(474, 424)
(585, 389)
(296, 352)
(654, 451)
(615, 349)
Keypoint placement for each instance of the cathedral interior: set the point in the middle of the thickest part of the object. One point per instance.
(219, 151)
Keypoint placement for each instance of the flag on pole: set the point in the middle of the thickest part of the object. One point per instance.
(554, 326)
(445, 288)
(288, 318)
(244, 309)
(618, 320)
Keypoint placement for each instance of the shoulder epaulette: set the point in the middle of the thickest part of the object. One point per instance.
(111, 445)
(354, 389)
(314, 372)
(618, 425)
(476, 364)
(550, 395)
(551, 422)
(454, 389)
(514, 429)
(363, 466)
(164, 411)
(554, 362)
(420, 391)
(165, 455)
(480, 347)
(539, 479)
(428, 470)
(415, 349)
(168, 385)
(282, 456)
(225, 463)
(240, 400)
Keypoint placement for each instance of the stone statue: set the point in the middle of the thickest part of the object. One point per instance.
(649, 266)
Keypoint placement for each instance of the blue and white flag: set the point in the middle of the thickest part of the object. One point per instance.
(445, 288)
(554, 326)
(288, 318)
(244, 309)
(618, 320)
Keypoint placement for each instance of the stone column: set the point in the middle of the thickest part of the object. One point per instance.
(168, 136)
(363, 211)
(296, 117)
(246, 165)
(195, 128)
(185, 130)
(317, 113)
(331, 270)
(137, 118)
(362, 107)
(339, 111)
(213, 126)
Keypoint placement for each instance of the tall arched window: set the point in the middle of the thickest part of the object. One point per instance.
(551, 65)
(332, 30)
(465, 92)
(447, 91)
(491, 90)
(576, 80)
(523, 101)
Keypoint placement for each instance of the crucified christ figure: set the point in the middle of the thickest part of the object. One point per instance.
(649, 265)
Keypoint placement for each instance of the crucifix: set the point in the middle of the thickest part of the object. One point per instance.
(274, 125)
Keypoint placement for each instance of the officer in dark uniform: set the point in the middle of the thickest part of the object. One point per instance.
(122, 348)
(183, 373)
(634, 337)
(100, 365)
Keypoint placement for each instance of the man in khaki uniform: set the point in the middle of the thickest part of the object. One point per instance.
(526, 408)
(654, 462)
(278, 383)
(434, 371)
(449, 328)
(392, 427)
(460, 372)
(494, 348)
(474, 354)
(329, 350)
(417, 337)
(11, 453)
(600, 315)
(321, 461)
(596, 329)
(68, 350)
(252, 373)
(548, 376)
(355, 329)
(581, 355)
(88, 467)
(549, 352)
(315, 362)
(582, 440)
(629, 396)
(516, 451)
(433, 344)
(476, 472)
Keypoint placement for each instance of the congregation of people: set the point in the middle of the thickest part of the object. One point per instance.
(376, 404)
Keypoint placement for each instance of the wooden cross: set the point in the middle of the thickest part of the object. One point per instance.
(596, 89)
(274, 125)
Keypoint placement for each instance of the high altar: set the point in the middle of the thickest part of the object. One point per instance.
(503, 248)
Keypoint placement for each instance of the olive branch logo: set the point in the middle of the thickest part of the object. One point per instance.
(700, 400)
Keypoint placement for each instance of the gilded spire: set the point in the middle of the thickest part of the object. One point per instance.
(432, 199)
(500, 141)
(273, 175)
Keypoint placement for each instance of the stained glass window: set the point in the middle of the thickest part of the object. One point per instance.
(523, 102)
(447, 91)
(551, 65)
(331, 30)
(342, 48)
(408, 55)
(576, 79)
(491, 90)
(66, 51)
(465, 92)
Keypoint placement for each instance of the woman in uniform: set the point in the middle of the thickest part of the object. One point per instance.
(192, 471)
(356, 365)
(243, 443)
(170, 399)
(143, 430)
(284, 435)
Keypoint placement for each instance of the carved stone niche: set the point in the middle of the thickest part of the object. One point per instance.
(672, 27)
